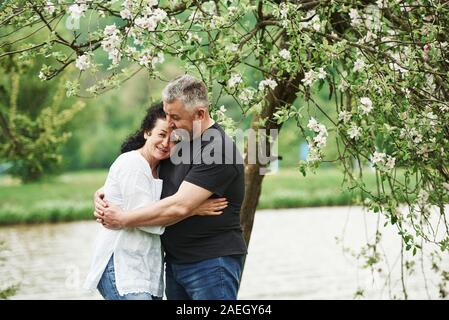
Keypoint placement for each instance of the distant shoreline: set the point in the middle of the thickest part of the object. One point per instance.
(69, 197)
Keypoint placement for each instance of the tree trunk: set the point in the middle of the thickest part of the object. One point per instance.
(284, 93)
(253, 187)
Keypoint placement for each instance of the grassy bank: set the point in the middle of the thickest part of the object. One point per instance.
(289, 189)
(65, 198)
(69, 196)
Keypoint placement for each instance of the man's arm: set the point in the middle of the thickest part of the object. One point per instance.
(164, 212)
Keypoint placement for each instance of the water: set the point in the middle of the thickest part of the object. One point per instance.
(293, 254)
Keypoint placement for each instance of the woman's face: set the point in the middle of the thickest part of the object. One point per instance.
(158, 143)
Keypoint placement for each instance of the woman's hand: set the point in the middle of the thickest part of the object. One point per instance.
(211, 207)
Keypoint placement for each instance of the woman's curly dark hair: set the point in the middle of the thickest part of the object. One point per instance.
(137, 140)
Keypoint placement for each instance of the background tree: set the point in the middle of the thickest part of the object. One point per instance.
(32, 133)
(384, 64)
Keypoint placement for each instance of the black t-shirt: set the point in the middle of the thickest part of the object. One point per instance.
(204, 237)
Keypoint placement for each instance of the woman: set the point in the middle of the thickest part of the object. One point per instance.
(128, 263)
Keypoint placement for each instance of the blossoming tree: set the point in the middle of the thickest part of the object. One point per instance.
(385, 64)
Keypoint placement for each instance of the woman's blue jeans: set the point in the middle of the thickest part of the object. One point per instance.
(109, 291)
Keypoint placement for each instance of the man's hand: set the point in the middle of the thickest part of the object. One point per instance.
(112, 217)
(211, 207)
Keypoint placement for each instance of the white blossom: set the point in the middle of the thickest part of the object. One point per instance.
(152, 3)
(110, 30)
(42, 76)
(366, 105)
(159, 58)
(111, 43)
(417, 139)
(267, 83)
(77, 10)
(130, 51)
(313, 20)
(321, 139)
(83, 62)
(309, 78)
(145, 59)
(355, 17)
(380, 4)
(390, 162)
(136, 34)
(405, 8)
(411, 134)
(344, 116)
(217, 22)
(126, 14)
(147, 23)
(193, 36)
(354, 132)
(221, 112)
(444, 108)
(423, 150)
(234, 80)
(283, 10)
(316, 23)
(313, 124)
(233, 47)
(285, 54)
(159, 14)
(368, 37)
(321, 73)
(313, 155)
(150, 19)
(359, 65)
(246, 95)
(406, 91)
(378, 157)
(432, 117)
(49, 7)
(396, 67)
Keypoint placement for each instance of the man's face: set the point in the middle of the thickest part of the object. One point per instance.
(178, 117)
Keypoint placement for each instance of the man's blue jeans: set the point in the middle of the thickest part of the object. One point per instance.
(211, 279)
(109, 291)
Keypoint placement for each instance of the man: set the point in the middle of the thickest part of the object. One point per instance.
(204, 254)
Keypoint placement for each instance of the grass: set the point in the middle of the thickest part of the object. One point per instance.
(289, 189)
(69, 196)
(64, 198)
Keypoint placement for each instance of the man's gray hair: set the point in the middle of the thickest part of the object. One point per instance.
(187, 89)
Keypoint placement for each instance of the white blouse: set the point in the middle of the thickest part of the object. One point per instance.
(138, 256)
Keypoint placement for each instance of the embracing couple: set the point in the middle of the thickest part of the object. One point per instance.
(175, 201)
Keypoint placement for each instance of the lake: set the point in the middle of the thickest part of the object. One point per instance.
(293, 254)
